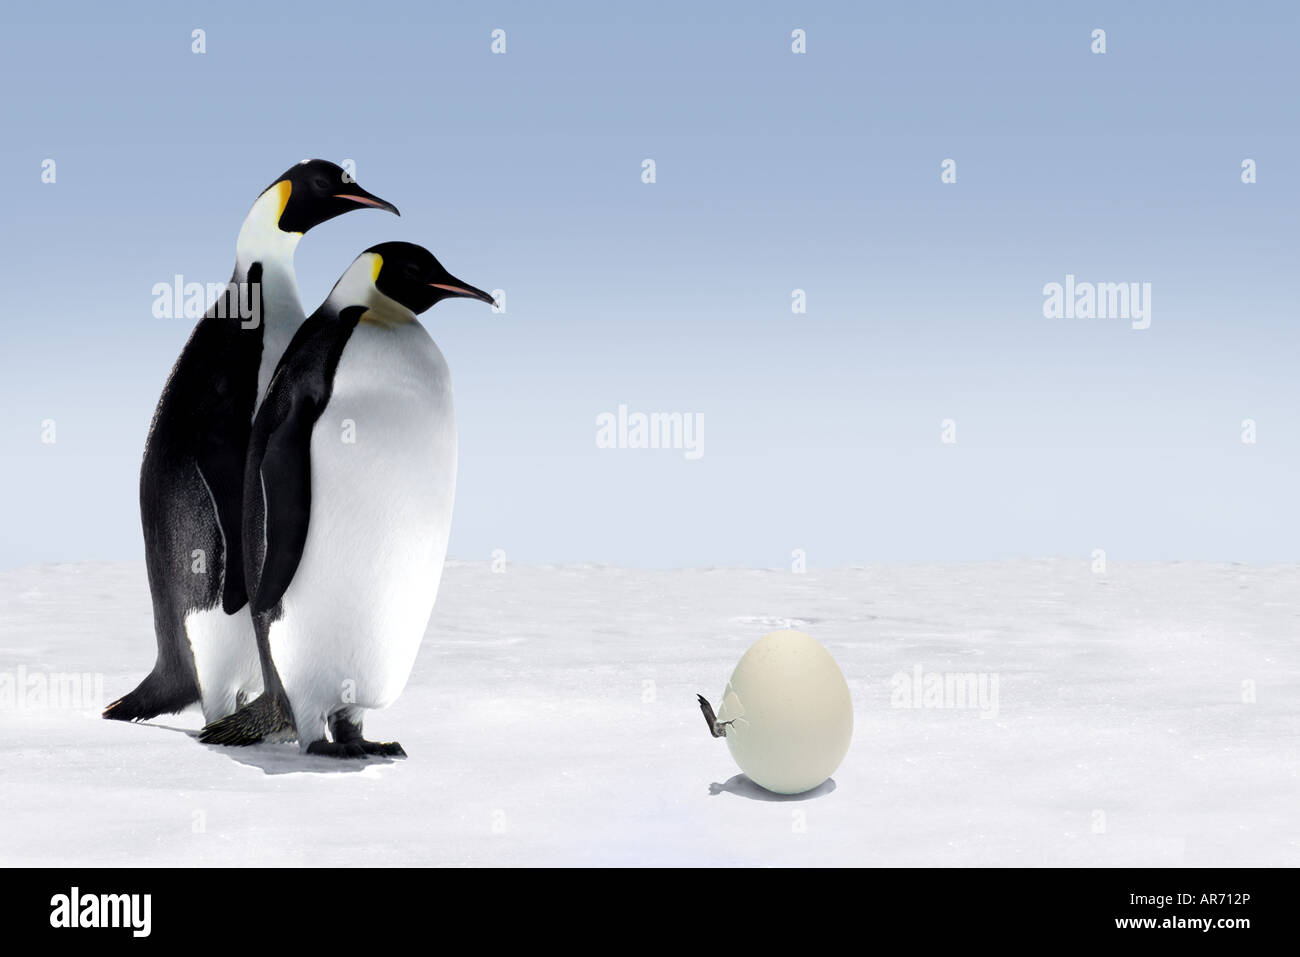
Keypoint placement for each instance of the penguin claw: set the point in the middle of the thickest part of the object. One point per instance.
(388, 749)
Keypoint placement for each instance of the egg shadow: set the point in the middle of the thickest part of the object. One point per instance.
(741, 786)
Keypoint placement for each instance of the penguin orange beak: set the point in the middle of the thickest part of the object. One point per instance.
(458, 288)
(363, 198)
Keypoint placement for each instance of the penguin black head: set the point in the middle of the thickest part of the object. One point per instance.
(317, 190)
(410, 275)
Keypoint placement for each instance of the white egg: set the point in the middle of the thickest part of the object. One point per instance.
(790, 713)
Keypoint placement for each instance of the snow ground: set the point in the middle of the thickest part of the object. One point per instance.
(551, 720)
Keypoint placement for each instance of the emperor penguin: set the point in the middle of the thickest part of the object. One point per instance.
(191, 481)
(348, 492)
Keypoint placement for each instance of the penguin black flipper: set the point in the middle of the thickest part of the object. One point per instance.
(220, 461)
(284, 475)
(277, 480)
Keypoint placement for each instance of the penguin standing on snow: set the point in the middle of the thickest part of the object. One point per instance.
(347, 506)
(191, 481)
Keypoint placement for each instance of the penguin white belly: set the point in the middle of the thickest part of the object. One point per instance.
(383, 477)
(225, 658)
(225, 652)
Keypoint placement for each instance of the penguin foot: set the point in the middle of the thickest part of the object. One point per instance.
(157, 694)
(345, 726)
(356, 748)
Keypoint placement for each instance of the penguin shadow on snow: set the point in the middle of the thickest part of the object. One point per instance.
(281, 757)
(286, 758)
(741, 786)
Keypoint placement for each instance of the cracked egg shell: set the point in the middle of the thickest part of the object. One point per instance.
(791, 711)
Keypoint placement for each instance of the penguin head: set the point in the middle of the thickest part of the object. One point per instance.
(316, 190)
(411, 276)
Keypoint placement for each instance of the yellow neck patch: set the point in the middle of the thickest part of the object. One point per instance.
(284, 189)
(375, 266)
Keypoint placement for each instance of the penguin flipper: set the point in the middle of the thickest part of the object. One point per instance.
(285, 477)
(220, 460)
(277, 482)
(265, 717)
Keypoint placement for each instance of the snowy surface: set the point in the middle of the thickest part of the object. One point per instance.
(551, 720)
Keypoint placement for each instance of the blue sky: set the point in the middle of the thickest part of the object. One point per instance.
(775, 171)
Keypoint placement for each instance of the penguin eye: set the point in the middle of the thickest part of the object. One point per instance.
(320, 184)
(411, 270)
